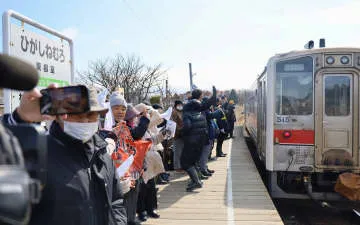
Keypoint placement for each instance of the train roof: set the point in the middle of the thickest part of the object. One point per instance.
(309, 51)
(316, 50)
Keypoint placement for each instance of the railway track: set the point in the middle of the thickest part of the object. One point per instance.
(305, 212)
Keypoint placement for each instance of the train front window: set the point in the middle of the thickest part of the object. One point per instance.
(294, 87)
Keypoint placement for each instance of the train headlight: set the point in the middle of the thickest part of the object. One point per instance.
(344, 60)
(330, 60)
(287, 134)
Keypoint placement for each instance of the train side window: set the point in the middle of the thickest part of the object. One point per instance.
(337, 96)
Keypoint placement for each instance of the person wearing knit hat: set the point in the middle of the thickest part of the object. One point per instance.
(118, 106)
(137, 122)
(117, 99)
(131, 113)
(124, 112)
(157, 106)
(178, 103)
(138, 125)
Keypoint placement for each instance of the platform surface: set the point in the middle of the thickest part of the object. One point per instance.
(235, 194)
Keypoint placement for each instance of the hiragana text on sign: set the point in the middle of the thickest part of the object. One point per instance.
(34, 46)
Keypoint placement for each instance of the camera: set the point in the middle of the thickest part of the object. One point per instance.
(22, 179)
(23, 150)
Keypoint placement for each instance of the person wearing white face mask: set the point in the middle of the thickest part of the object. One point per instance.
(81, 187)
(176, 116)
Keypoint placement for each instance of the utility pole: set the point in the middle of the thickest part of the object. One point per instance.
(191, 77)
(167, 92)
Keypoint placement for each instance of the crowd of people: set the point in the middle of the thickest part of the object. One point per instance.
(106, 173)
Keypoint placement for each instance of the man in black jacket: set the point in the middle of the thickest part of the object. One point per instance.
(195, 133)
(81, 187)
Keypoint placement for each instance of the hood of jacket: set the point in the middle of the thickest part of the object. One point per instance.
(193, 105)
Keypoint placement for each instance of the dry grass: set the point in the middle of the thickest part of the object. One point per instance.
(239, 117)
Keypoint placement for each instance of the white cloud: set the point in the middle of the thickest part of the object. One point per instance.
(71, 32)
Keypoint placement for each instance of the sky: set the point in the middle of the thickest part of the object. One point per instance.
(228, 42)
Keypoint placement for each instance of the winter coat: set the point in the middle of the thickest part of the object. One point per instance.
(153, 163)
(195, 133)
(176, 116)
(231, 114)
(82, 187)
(139, 131)
(222, 120)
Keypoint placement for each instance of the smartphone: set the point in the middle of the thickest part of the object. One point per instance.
(64, 100)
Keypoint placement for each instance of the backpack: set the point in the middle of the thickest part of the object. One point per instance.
(214, 130)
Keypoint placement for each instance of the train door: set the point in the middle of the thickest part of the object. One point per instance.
(262, 119)
(259, 118)
(336, 121)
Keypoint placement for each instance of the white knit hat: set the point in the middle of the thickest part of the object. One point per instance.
(117, 99)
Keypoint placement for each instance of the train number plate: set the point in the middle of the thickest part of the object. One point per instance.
(282, 119)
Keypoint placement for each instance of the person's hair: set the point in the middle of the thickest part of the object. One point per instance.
(178, 102)
(196, 94)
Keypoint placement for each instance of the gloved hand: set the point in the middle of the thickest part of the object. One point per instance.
(212, 100)
(222, 131)
(111, 146)
(125, 184)
(163, 124)
(214, 91)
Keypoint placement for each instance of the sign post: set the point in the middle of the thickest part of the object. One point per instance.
(52, 57)
(121, 91)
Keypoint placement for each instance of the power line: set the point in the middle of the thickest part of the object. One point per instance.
(145, 24)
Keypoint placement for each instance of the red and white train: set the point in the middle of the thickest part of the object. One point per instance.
(303, 114)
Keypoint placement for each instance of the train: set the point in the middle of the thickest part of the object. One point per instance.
(302, 113)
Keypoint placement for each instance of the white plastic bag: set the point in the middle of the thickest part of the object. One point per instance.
(171, 128)
(109, 119)
(154, 164)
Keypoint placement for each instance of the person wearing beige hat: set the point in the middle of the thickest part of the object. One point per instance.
(147, 201)
(81, 186)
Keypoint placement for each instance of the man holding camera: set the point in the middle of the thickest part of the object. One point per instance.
(81, 185)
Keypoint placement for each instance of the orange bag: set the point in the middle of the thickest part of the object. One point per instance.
(127, 146)
(348, 185)
(142, 147)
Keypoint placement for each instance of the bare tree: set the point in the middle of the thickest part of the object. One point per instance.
(148, 82)
(128, 72)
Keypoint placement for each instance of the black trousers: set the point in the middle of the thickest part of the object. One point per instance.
(130, 202)
(220, 141)
(147, 200)
(231, 129)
